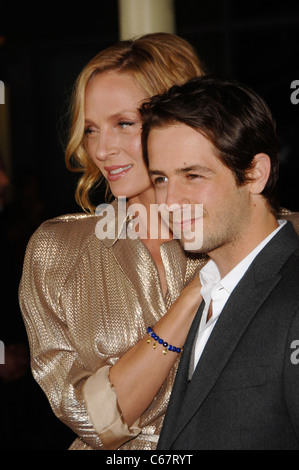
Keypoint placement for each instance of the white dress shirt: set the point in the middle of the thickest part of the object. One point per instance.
(218, 291)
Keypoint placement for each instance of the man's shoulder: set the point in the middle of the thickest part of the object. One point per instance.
(279, 255)
(291, 216)
(289, 275)
(292, 266)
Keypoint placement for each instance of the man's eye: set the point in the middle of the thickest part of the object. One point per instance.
(192, 176)
(159, 180)
(125, 124)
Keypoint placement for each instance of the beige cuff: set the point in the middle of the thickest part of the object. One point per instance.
(106, 417)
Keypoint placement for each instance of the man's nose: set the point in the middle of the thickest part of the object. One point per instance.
(175, 196)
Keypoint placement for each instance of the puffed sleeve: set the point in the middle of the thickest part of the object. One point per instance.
(83, 400)
(107, 420)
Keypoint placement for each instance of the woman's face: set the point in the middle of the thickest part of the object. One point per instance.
(113, 132)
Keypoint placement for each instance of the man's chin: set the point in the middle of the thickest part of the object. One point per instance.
(193, 245)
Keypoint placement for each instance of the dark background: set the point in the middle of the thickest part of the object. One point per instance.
(43, 47)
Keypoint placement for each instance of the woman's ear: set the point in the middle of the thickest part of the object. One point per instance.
(259, 173)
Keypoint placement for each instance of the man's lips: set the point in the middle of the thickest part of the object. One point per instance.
(184, 223)
(115, 172)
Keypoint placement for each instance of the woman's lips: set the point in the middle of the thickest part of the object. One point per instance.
(116, 172)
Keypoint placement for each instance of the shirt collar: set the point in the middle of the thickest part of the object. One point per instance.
(210, 275)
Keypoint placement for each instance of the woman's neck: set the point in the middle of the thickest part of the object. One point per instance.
(147, 218)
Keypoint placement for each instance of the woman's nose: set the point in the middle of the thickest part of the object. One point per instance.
(106, 145)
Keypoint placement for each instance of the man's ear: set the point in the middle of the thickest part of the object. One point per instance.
(259, 173)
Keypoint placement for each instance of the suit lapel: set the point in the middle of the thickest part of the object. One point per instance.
(180, 385)
(243, 304)
(234, 319)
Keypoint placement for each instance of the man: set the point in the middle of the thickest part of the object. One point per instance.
(213, 142)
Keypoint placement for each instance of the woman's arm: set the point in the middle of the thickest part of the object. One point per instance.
(139, 374)
(55, 362)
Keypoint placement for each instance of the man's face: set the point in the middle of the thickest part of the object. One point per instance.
(184, 169)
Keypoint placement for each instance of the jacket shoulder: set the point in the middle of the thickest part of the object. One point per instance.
(70, 228)
(57, 244)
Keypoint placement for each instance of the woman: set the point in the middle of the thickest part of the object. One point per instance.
(87, 300)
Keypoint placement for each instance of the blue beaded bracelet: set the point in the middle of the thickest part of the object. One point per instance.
(157, 339)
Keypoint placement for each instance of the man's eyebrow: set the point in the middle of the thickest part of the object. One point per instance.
(184, 169)
(156, 172)
(201, 168)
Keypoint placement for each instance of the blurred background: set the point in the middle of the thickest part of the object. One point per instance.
(43, 47)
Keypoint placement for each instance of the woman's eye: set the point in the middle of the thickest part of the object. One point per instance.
(89, 131)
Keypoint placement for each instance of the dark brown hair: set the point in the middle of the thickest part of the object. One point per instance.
(233, 117)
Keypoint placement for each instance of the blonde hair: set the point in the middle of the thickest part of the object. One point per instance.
(157, 61)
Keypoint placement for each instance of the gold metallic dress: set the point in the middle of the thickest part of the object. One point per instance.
(85, 302)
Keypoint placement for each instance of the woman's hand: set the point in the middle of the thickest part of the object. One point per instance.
(135, 386)
(191, 294)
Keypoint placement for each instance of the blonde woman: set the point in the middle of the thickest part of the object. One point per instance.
(88, 300)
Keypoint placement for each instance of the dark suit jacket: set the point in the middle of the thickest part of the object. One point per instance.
(244, 393)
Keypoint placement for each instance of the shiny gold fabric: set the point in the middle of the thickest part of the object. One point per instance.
(85, 302)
